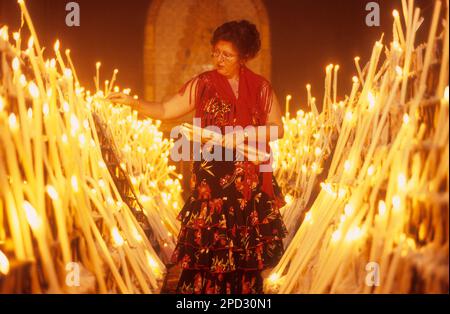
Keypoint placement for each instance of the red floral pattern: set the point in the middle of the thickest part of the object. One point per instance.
(231, 230)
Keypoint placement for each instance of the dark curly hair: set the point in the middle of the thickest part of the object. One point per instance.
(244, 36)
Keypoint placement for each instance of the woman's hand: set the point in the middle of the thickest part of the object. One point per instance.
(124, 99)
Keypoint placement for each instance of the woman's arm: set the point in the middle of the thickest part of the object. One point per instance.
(175, 107)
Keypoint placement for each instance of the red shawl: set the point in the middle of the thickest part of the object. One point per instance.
(250, 108)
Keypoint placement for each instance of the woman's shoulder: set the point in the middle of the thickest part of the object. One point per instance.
(262, 80)
(205, 74)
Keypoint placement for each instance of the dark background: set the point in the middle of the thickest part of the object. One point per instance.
(307, 35)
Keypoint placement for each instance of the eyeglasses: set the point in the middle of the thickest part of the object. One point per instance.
(226, 56)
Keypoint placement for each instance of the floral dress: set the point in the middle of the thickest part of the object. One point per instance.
(230, 229)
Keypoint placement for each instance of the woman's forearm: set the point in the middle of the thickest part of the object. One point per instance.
(151, 109)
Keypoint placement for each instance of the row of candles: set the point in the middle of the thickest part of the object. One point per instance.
(384, 203)
(58, 202)
(299, 157)
(144, 155)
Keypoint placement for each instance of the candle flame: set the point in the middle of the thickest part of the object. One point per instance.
(396, 202)
(82, 140)
(51, 191)
(75, 124)
(347, 165)
(13, 125)
(66, 106)
(401, 180)
(446, 94)
(370, 170)
(45, 109)
(118, 240)
(304, 169)
(33, 218)
(15, 64)
(273, 278)
(405, 118)
(314, 167)
(22, 80)
(68, 73)
(354, 234)
(349, 116)
(317, 151)
(56, 46)
(4, 264)
(33, 89)
(396, 46)
(4, 33)
(336, 236)
(308, 217)
(288, 199)
(395, 13)
(381, 208)
(74, 182)
(2, 103)
(30, 42)
(348, 209)
(102, 183)
(152, 263)
(327, 188)
(342, 192)
(136, 234)
(371, 99)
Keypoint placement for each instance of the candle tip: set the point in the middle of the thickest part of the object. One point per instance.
(56, 46)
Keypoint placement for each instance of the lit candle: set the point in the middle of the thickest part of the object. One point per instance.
(288, 100)
(97, 76)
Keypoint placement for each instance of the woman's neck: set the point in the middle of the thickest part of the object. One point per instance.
(233, 77)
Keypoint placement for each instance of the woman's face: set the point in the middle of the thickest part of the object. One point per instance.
(226, 58)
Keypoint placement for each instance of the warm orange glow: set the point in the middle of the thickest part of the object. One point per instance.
(4, 264)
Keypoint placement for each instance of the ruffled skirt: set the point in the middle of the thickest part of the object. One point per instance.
(230, 230)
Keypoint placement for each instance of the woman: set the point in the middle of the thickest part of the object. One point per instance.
(231, 229)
